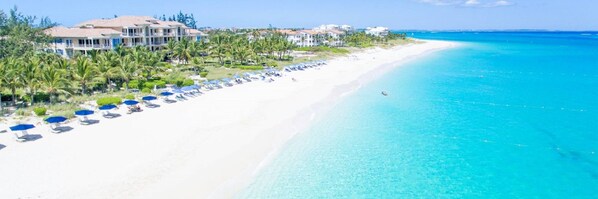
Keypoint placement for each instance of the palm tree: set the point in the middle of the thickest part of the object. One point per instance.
(127, 70)
(83, 72)
(107, 61)
(169, 49)
(53, 82)
(11, 78)
(153, 62)
(219, 47)
(29, 74)
(182, 51)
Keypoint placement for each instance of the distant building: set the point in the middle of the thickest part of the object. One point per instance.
(345, 28)
(315, 37)
(129, 31)
(377, 31)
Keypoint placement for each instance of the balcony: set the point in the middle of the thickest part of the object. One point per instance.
(91, 46)
(131, 34)
(135, 44)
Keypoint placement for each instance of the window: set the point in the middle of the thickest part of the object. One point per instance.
(81, 42)
(58, 40)
(59, 51)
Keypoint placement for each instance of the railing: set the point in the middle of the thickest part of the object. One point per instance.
(131, 34)
(91, 46)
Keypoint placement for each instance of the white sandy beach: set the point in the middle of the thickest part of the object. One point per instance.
(208, 146)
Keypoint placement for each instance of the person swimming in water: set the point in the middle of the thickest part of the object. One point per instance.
(384, 93)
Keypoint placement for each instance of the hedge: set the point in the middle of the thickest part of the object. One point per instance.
(251, 67)
(108, 100)
(130, 96)
(187, 82)
(133, 84)
(150, 84)
(203, 74)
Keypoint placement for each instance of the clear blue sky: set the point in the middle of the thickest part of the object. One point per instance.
(396, 14)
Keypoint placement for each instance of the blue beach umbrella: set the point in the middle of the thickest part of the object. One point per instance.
(225, 79)
(187, 88)
(166, 93)
(178, 91)
(130, 102)
(83, 112)
(22, 127)
(195, 86)
(149, 98)
(107, 107)
(55, 119)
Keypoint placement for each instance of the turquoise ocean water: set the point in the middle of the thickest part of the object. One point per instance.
(506, 115)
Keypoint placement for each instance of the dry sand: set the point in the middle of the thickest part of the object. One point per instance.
(209, 146)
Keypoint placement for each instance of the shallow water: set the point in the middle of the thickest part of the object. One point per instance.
(506, 115)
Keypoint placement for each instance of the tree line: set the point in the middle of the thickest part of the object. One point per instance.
(29, 71)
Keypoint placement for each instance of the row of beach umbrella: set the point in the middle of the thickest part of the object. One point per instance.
(84, 112)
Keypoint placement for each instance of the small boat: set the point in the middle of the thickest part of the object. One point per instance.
(384, 93)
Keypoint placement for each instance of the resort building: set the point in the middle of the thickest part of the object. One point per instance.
(309, 38)
(128, 31)
(377, 31)
(344, 28)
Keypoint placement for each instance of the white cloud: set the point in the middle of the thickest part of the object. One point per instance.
(469, 3)
(502, 3)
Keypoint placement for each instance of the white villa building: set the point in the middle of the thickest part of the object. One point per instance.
(107, 34)
(309, 38)
(344, 28)
(377, 31)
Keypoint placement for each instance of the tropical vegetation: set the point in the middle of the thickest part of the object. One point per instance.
(31, 75)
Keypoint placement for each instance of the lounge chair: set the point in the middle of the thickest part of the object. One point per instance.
(133, 109)
(21, 138)
(54, 128)
(107, 114)
(150, 104)
(83, 120)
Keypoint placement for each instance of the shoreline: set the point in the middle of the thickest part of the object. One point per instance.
(215, 146)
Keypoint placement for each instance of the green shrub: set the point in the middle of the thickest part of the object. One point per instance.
(108, 100)
(40, 111)
(187, 82)
(272, 63)
(130, 96)
(203, 74)
(251, 67)
(134, 84)
(21, 112)
(146, 90)
(157, 83)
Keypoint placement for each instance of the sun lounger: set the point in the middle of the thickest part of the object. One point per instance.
(21, 138)
(150, 104)
(54, 128)
(83, 120)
